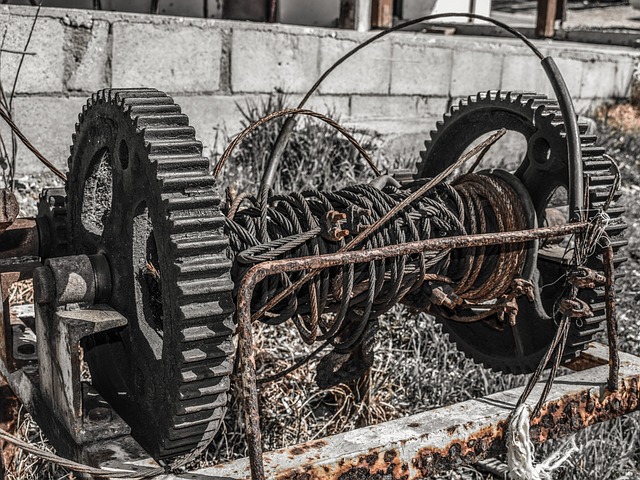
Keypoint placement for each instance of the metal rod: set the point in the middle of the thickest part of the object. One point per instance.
(612, 321)
(260, 271)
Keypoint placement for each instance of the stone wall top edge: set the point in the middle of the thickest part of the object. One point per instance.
(496, 44)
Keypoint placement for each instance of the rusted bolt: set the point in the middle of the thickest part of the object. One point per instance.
(523, 287)
(583, 277)
(439, 297)
(355, 218)
(575, 308)
(332, 228)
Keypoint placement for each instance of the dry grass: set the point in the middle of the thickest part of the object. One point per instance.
(416, 367)
(623, 117)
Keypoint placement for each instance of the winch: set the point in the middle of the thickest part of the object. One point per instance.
(142, 256)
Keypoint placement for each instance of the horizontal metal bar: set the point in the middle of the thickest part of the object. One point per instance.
(436, 440)
(258, 272)
(410, 248)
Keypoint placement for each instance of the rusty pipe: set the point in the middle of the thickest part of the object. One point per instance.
(259, 272)
(20, 239)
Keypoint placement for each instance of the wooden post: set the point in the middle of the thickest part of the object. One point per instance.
(546, 18)
(382, 14)
(355, 14)
(561, 10)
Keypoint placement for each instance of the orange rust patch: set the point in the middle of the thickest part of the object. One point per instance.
(374, 465)
(487, 441)
(305, 447)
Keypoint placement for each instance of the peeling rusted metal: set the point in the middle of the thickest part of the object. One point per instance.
(436, 441)
(9, 209)
(9, 406)
(316, 263)
(612, 320)
(20, 239)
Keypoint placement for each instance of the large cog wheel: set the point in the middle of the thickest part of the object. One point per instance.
(542, 171)
(140, 192)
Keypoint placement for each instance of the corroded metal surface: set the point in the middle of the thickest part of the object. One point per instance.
(20, 239)
(437, 440)
(315, 263)
(9, 209)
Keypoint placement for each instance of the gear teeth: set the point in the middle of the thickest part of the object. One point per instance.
(207, 351)
(155, 120)
(164, 133)
(163, 109)
(192, 311)
(195, 372)
(180, 202)
(203, 388)
(183, 182)
(189, 162)
(201, 307)
(169, 147)
(190, 289)
(199, 406)
(188, 244)
(204, 332)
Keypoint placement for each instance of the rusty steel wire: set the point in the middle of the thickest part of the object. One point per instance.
(374, 227)
(317, 263)
(354, 296)
(291, 111)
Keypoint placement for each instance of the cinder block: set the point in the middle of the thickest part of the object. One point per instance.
(624, 77)
(89, 57)
(263, 61)
(475, 71)
(336, 106)
(599, 80)
(430, 108)
(420, 69)
(42, 72)
(367, 72)
(389, 107)
(48, 123)
(572, 71)
(523, 72)
(170, 57)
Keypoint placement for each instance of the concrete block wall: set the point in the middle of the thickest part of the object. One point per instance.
(398, 88)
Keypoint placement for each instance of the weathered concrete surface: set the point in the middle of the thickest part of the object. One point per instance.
(434, 441)
(397, 88)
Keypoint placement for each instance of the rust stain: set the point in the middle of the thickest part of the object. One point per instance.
(571, 414)
(486, 442)
(374, 465)
(559, 417)
(305, 447)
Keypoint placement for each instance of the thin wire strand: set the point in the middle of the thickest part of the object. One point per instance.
(291, 111)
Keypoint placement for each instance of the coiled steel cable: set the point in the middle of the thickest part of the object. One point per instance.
(337, 304)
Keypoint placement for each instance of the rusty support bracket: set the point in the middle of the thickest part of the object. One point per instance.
(432, 442)
(262, 270)
(60, 365)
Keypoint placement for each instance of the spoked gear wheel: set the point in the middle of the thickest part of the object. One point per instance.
(140, 192)
(542, 171)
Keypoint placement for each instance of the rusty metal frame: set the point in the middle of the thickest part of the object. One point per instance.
(438, 440)
(262, 270)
